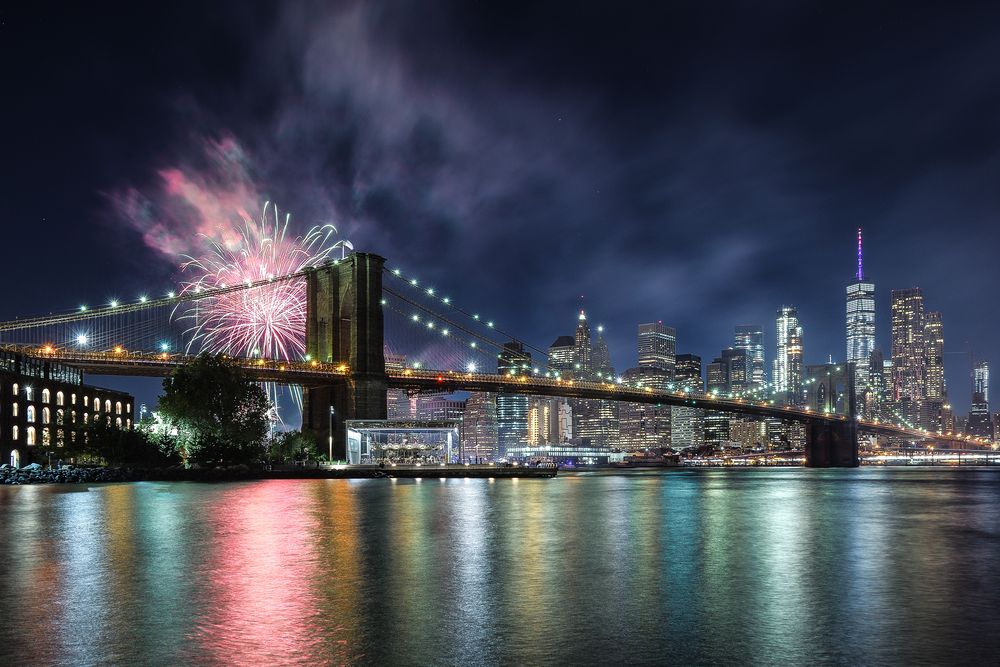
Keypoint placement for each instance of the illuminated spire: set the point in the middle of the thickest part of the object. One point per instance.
(583, 316)
(861, 272)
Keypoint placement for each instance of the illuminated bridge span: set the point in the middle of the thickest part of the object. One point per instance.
(345, 361)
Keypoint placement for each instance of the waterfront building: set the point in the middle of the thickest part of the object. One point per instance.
(861, 334)
(550, 420)
(595, 421)
(787, 372)
(716, 428)
(747, 432)
(643, 426)
(398, 403)
(439, 407)
(687, 424)
(750, 339)
(478, 436)
(512, 409)
(785, 435)
(45, 403)
(686, 427)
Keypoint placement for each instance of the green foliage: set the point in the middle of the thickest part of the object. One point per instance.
(293, 446)
(101, 443)
(220, 413)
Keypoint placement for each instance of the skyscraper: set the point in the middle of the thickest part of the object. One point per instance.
(980, 421)
(658, 346)
(582, 350)
(561, 355)
(512, 410)
(861, 333)
(934, 353)
(788, 359)
(909, 359)
(600, 359)
(687, 424)
(687, 373)
(479, 428)
(750, 339)
(981, 380)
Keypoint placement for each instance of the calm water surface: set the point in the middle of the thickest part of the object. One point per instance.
(787, 566)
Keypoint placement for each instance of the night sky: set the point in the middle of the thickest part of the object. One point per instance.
(700, 165)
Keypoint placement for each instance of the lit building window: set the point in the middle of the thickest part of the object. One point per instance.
(46, 395)
(107, 405)
(128, 423)
(46, 436)
(60, 398)
(46, 415)
(86, 401)
(15, 389)
(128, 408)
(27, 393)
(59, 417)
(118, 408)
(72, 416)
(14, 433)
(30, 414)
(118, 422)
(86, 418)
(30, 435)
(97, 404)
(72, 399)
(14, 409)
(60, 438)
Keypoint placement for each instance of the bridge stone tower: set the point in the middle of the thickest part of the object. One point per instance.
(344, 324)
(834, 444)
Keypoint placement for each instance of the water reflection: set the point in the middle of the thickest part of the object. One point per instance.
(771, 566)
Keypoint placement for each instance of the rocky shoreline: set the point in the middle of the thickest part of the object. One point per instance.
(35, 474)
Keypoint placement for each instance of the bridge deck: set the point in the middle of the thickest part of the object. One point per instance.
(313, 373)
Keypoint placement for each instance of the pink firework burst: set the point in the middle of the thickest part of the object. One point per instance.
(267, 321)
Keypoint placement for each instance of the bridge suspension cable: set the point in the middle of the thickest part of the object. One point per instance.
(414, 284)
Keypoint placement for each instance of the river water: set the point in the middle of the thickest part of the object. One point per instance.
(773, 566)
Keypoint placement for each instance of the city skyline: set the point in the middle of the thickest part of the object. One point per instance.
(704, 195)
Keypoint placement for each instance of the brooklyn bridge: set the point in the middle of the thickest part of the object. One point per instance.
(349, 303)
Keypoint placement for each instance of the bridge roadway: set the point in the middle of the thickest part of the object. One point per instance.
(446, 381)
(313, 373)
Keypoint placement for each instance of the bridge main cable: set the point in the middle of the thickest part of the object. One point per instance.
(82, 315)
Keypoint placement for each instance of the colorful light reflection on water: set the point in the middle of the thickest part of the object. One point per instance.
(729, 566)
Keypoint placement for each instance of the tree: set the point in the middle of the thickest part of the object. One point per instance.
(100, 442)
(220, 413)
(293, 446)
